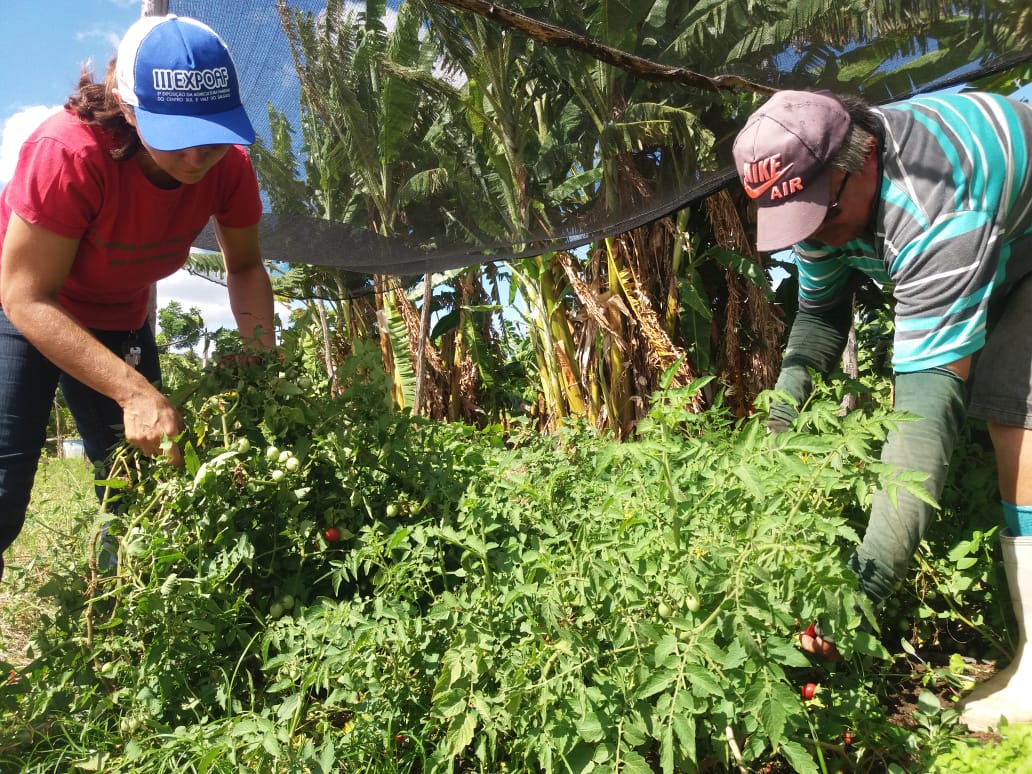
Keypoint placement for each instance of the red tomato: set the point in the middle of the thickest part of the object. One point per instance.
(809, 690)
(848, 738)
(332, 534)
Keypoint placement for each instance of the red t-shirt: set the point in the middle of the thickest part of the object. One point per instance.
(131, 233)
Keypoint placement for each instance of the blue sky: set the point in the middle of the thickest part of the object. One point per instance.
(43, 44)
(42, 47)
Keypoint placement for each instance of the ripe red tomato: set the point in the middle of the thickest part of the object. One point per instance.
(809, 690)
(332, 534)
(848, 738)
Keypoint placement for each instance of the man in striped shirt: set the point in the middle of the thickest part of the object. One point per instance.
(932, 198)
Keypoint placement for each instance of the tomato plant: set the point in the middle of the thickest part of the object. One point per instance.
(642, 597)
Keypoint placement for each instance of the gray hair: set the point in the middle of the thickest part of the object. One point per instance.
(864, 125)
(850, 157)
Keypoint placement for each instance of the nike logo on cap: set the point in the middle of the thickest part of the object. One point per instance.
(767, 172)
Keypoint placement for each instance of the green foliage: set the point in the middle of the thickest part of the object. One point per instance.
(179, 328)
(968, 757)
(60, 425)
(540, 603)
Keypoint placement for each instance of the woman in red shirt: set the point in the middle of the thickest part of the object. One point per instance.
(106, 199)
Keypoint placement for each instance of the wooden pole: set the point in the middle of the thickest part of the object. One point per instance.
(153, 8)
(424, 335)
(551, 35)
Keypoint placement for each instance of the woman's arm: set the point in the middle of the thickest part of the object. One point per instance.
(250, 291)
(35, 264)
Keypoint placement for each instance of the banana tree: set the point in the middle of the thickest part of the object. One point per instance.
(517, 129)
(369, 124)
(520, 122)
(339, 301)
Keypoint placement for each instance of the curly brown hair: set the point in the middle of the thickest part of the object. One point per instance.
(95, 103)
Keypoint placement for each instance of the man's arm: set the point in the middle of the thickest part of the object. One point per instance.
(897, 524)
(816, 341)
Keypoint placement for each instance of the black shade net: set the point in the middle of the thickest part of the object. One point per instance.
(440, 138)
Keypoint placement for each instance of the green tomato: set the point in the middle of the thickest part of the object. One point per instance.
(691, 602)
(664, 610)
(243, 446)
(277, 475)
(129, 724)
(276, 610)
(392, 510)
(287, 601)
(272, 454)
(284, 455)
(292, 464)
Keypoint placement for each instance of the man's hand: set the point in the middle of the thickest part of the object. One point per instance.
(816, 644)
(150, 420)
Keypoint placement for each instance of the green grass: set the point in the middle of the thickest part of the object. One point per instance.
(62, 492)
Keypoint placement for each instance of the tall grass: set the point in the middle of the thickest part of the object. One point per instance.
(62, 493)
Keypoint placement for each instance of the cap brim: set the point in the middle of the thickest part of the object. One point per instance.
(794, 219)
(169, 133)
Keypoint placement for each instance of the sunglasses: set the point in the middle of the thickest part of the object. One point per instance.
(833, 209)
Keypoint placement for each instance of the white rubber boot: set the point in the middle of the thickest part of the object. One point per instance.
(1009, 692)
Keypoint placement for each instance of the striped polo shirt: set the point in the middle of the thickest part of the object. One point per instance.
(955, 203)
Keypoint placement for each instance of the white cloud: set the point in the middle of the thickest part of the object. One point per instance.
(105, 34)
(210, 297)
(17, 128)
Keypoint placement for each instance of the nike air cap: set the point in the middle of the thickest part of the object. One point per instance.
(782, 158)
(178, 75)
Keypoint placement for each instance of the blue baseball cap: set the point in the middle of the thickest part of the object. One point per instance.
(180, 78)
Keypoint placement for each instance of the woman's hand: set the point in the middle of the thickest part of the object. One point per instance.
(150, 421)
(34, 267)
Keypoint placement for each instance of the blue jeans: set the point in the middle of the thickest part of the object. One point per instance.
(28, 382)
